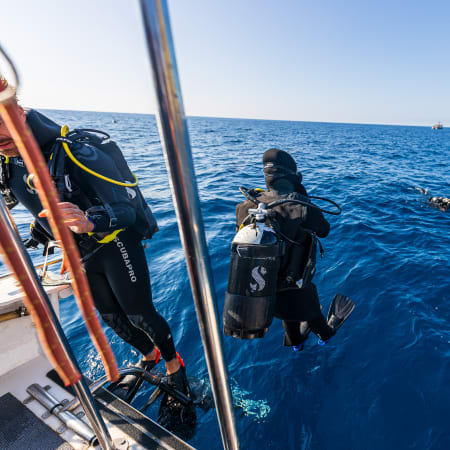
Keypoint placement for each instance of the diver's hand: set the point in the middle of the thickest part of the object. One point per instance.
(73, 217)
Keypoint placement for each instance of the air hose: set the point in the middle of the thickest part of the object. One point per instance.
(245, 192)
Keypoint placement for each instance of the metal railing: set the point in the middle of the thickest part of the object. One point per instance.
(178, 157)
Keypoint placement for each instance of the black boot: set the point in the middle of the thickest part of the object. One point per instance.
(174, 416)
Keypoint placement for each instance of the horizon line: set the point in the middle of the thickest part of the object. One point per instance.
(243, 118)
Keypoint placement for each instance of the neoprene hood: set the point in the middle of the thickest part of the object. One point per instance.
(279, 164)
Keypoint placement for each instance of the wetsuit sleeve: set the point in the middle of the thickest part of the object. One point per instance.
(316, 222)
(118, 211)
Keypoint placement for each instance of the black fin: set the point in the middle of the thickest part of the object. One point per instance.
(340, 309)
(172, 415)
(199, 390)
(128, 386)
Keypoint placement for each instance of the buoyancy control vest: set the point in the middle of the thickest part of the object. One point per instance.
(265, 260)
(145, 223)
(288, 219)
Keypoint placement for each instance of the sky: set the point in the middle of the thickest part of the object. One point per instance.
(326, 61)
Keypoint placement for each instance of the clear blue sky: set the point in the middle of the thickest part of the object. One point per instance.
(339, 61)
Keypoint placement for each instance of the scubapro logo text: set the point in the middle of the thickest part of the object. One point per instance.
(126, 261)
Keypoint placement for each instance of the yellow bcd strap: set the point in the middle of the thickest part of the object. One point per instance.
(29, 178)
(108, 238)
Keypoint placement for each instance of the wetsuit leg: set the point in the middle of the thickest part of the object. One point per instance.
(125, 267)
(293, 331)
(112, 314)
(298, 304)
(292, 334)
(320, 328)
(301, 305)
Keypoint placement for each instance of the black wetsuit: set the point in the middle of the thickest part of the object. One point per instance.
(294, 305)
(117, 272)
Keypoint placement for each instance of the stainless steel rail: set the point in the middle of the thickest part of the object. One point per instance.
(50, 263)
(81, 388)
(54, 407)
(148, 376)
(177, 153)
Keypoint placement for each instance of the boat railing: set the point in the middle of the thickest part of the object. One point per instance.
(180, 167)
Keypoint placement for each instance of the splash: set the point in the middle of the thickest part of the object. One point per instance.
(93, 367)
(258, 410)
(424, 191)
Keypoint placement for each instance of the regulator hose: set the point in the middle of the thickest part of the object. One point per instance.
(245, 192)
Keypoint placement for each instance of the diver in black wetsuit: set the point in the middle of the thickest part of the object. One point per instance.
(443, 203)
(297, 303)
(117, 271)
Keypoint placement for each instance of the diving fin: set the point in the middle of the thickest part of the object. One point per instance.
(180, 420)
(340, 309)
(199, 390)
(128, 386)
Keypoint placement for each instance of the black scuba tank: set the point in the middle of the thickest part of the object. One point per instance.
(252, 284)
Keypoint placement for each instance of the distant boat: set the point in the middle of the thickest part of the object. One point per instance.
(437, 126)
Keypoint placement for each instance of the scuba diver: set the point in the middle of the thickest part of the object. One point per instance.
(109, 220)
(443, 203)
(274, 259)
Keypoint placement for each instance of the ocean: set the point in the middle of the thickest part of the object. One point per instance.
(383, 380)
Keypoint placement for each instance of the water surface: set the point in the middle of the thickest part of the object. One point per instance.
(383, 381)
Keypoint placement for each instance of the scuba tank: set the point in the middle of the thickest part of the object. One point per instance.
(256, 254)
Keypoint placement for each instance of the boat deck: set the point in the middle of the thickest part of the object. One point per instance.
(25, 423)
(131, 422)
(21, 429)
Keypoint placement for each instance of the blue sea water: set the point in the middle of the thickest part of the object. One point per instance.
(383, 381)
